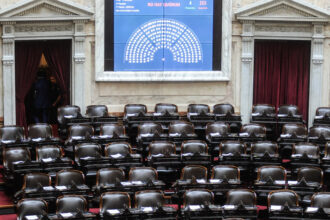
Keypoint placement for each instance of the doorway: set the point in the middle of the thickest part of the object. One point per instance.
(35, 60)
(281, 73)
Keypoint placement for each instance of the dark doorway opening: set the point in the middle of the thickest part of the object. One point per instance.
(281, 73)
(42, 76)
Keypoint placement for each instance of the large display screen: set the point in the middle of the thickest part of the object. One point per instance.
(163, 35)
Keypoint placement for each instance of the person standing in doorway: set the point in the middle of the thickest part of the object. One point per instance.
(41, 97)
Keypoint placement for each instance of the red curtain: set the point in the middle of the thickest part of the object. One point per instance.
(28, 55)
(57, 55)
(281, 73)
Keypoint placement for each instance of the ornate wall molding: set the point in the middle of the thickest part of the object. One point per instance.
(310, 27)
(70, 25)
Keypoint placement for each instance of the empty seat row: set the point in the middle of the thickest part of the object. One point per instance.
(198, 203)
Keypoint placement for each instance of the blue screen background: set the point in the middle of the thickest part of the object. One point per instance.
(142, 28)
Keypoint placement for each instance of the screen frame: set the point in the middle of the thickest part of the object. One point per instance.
(158, 76)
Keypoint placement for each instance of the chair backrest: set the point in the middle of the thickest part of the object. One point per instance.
(323, 111)
(15, 155)
(263, 109)
(81, 131)
(71, 111)
(288, 109)
(122, 148)
(71, 204)
(69, 178)
(327, 150)
(144, 174)
(49, 152)
(31, 207)
(149, 198)
(40, 130)
(297, 129)
(194, 146)
(283, 197)
(310, 174)
(97, 111)
(306, 148)
(217, 127)
(263, 147)
(114, 200)
(164, 107)
(256, 129)
(318, 131)
(273, 173)
(321, 200)
(87, 150)
(181, 127)
(232, 147)
(198, 108)
(36, 180)
(161, 147)
(194, 171)
(107, 176)
(150, 128)
(11, 133)
(135, 109)
(198, 197)
(223, 109)
(112, 129)
(225, 172)
(241, 197)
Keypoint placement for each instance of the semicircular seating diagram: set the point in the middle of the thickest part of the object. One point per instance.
(159, 34)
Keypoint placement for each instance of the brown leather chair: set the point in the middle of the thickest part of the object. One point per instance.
(288, 110)
(108, 176)
(144, 174)
(36, 181)
(71, 204)
(40, 130)
(297, 130)
(165, 148)
(308, 150)
(87, 151)
(93, 111)
(26, 207)
(52, 152)
(223, 109)
(149, 198)
(253, 129)
(69, 178)
(194, 171)
(181, 128)
(114, 200)
(244, 197)
(134, 109)
(122, 148)
(226, 172)
(198, 108)
(194, 147)
(11, 133)
(310, 174)
(198, 197)
(220, 128)
(68, 111)
(15, 155)
(271, 173)
(164, 107)
(323, 111)
(231, 148)
(317, 132)
(80, 132)
(283, 197)
(112, 130)
(149, 128)
(264, 110)
(261, 148)
(321, 200)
